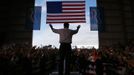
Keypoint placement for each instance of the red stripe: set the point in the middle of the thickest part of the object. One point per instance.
(66, 19)
(73, 4)
(69, 22)
(73, 12)
(73, 8)
(69, 13)
(66, 16)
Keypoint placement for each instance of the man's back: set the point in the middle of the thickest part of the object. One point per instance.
(65, 34)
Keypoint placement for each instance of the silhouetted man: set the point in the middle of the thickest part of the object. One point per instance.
(65, 47)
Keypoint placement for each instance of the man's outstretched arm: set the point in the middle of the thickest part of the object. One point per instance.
(78, 27)
(76, 31)
(51, 26)
(54, 30)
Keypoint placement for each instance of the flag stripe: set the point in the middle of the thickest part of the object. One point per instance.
(73, 7)
(70, 21)
(73, 4)
(73, 0)
(66, 18)
(55, 14)
(73, 11)
(70, 4)
(68, 15)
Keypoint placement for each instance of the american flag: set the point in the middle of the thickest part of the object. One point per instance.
(72, 11)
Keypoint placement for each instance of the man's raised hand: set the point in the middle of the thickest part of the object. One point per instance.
(78, 26)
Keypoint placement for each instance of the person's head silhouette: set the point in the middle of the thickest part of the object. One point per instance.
(66, 25)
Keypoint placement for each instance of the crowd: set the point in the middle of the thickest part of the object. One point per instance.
(22, 59)
(107, 60)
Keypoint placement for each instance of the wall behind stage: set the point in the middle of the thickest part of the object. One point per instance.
(118, 21)
(13, 21)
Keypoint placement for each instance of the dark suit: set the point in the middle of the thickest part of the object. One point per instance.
(64, 54)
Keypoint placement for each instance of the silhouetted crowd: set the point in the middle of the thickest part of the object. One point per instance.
(22, 59)
(107, 60)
